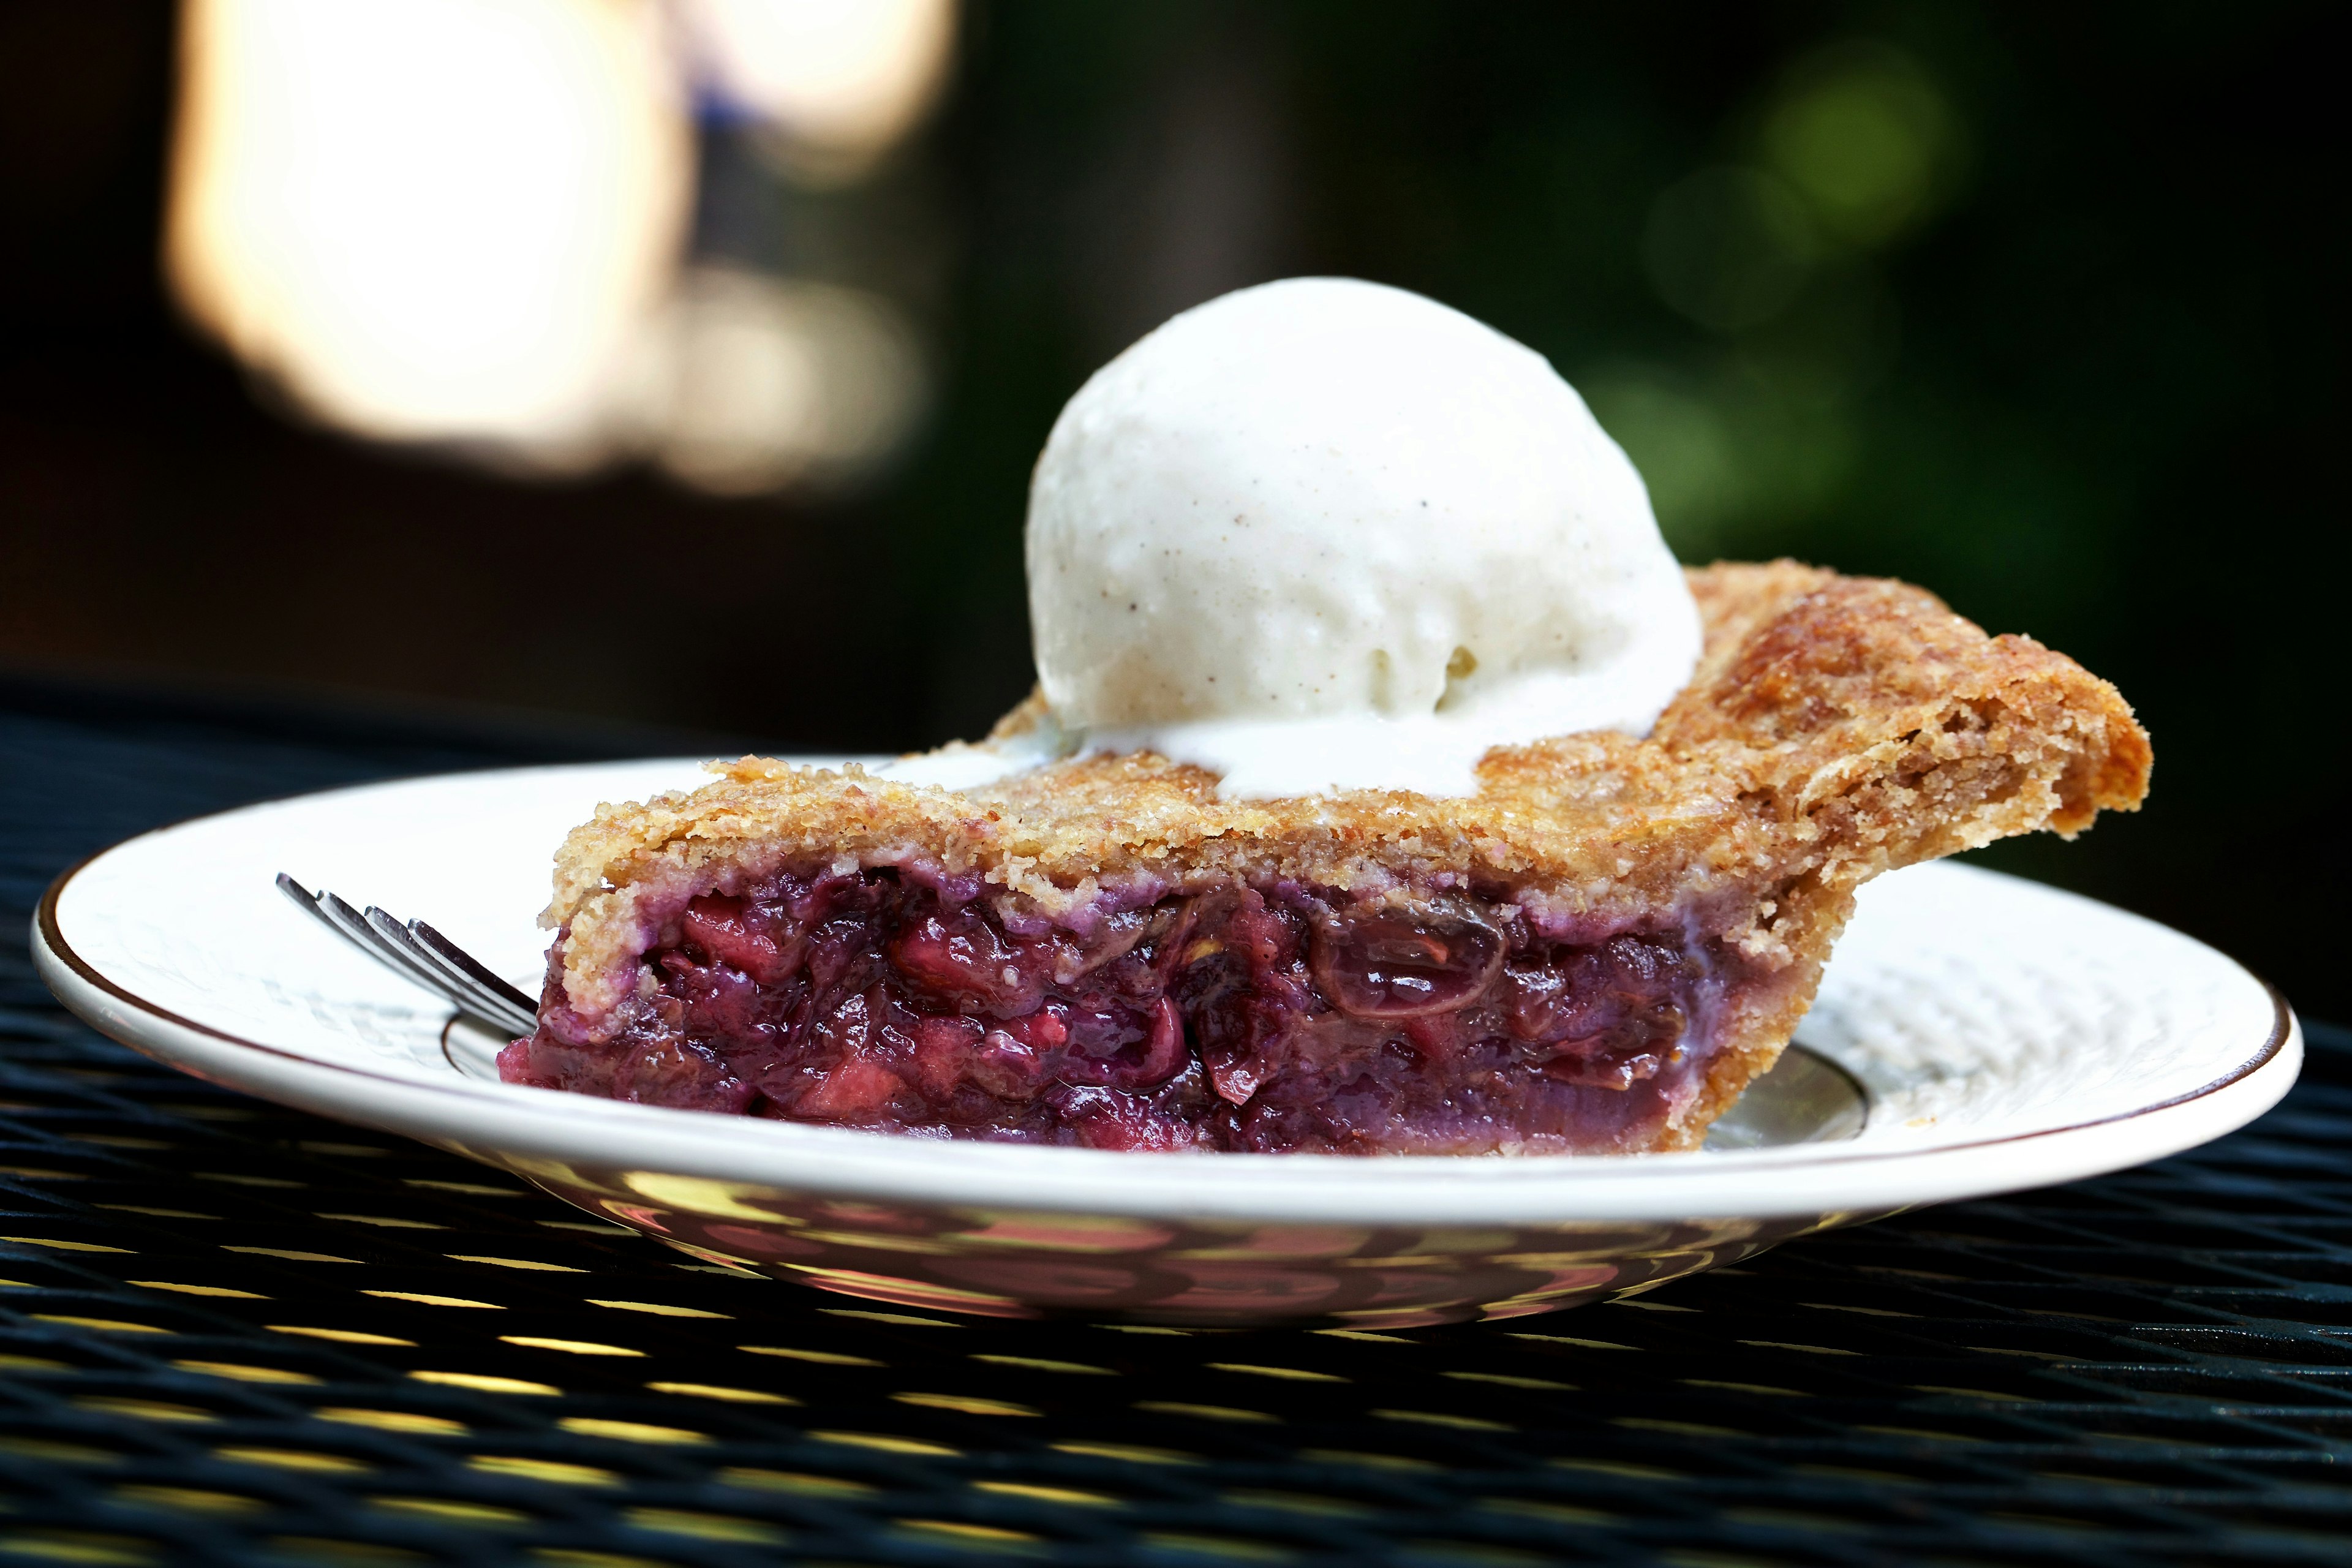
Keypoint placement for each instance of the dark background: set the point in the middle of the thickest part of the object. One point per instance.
(2079, 378)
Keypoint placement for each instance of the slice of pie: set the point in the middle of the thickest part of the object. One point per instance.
(1595, 953)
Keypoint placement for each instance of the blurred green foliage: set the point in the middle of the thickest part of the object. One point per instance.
(2035, 307)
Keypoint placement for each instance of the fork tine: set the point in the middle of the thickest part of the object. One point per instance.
(482, 995)
(440, 965)
(455, 957)
(386, 951)
(312, 905)
(346, 922)
(395, 939)
(511, 1021)
(355, 928)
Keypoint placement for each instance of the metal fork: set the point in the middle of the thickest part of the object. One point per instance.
(417, 952)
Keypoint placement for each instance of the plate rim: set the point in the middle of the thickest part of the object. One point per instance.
(1582, 1188)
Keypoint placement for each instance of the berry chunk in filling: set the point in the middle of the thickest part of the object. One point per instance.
(1234, 1017)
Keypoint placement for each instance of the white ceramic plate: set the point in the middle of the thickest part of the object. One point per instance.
(1976, 1034)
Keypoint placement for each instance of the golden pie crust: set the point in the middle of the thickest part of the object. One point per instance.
(1836, 727)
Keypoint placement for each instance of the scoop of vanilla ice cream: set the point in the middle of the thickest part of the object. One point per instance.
(1326, 535)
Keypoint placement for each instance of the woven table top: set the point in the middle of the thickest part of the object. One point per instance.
(233, 1333)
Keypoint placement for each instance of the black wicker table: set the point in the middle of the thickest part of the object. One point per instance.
(235, 1333)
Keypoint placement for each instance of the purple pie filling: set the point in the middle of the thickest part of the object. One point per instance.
(1263, 1019)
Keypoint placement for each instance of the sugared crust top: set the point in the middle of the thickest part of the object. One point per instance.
(1836, 727)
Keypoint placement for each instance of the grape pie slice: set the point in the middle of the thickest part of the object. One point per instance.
(1594, 955)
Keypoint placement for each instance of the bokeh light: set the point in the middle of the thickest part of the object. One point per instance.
(1728, 248)
(1866, 135)
(750, 384)
(429, 220)
(837, 83)
(1780, 258)
(466, 223)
